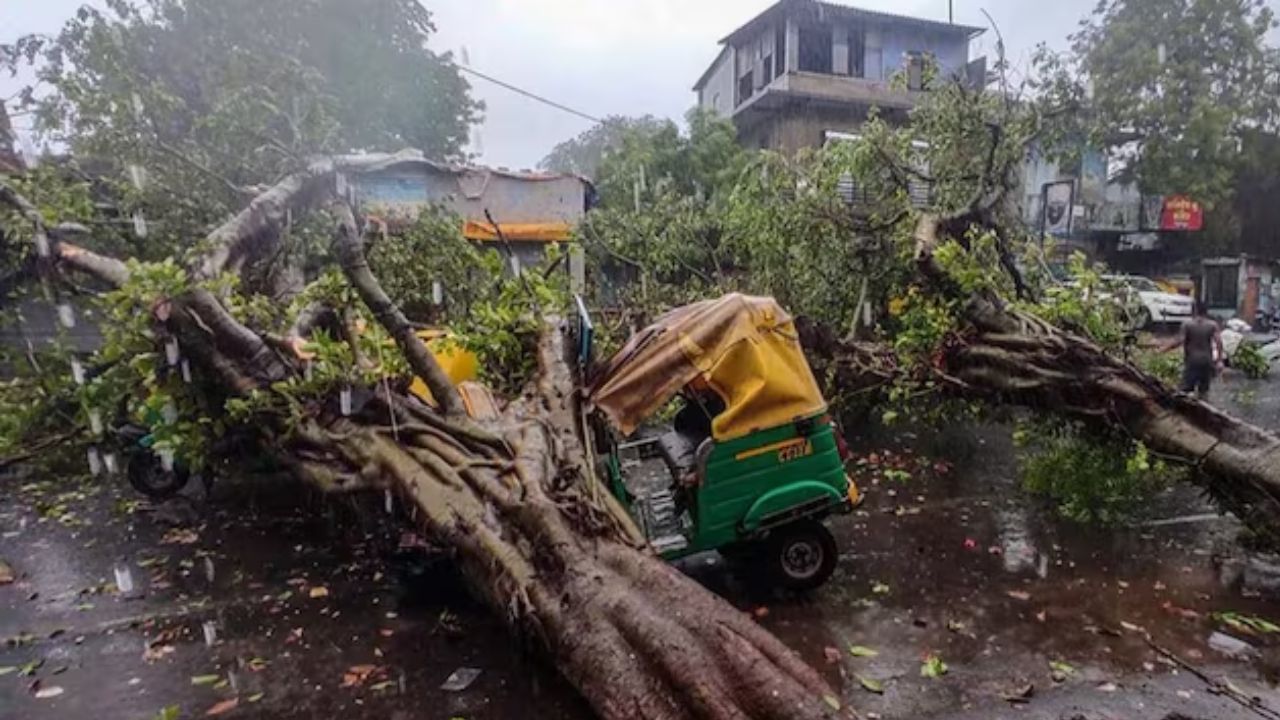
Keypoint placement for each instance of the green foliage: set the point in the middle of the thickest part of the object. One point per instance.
(1086, 304)
(584, 154)
(1249, 360)
(502, 326)
(1090, 477)
(1165, 366)
(409, 261)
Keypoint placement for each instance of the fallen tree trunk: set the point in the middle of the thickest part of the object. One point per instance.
(537, 537)
(1007, 357)
(538, 542)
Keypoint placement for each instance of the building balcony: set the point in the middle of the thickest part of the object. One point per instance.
(794, 87)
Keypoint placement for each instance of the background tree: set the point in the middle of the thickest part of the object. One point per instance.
(186, 106)
(582, 155)
(1169, 89)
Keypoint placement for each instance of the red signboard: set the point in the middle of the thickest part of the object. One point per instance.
(1181, 213)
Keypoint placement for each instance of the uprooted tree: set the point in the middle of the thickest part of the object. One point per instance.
(960, 303)
(541, 543)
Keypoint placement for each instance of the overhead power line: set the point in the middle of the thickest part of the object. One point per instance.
(530, 95)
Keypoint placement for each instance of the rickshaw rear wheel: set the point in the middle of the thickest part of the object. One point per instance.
(801, 556)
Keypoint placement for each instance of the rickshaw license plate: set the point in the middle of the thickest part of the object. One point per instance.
(795, 450)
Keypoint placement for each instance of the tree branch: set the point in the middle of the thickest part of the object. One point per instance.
(264, 217)
(356, 267)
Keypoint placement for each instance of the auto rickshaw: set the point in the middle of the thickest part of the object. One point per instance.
(753, 461)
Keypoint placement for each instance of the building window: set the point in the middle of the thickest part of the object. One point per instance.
(746, 87)
(1220, 286)
(915, 70)
(857, 51)
(780, 48)
(815, 50)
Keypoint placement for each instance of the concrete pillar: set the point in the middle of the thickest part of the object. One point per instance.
(793, 45)
(839, 50)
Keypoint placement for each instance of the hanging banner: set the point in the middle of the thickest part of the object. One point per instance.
(1058, 197)
(1181, 213)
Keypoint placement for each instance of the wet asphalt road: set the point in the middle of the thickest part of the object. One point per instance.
(318, 611)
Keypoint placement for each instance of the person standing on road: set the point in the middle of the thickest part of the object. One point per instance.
(1199, 337)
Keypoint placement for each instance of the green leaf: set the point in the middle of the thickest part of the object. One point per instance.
(933, 667)
(1246, 623)
(831, 701)
(861, 651)
(6, 669)
(205, 679)
(871, 685)
(1061, 668)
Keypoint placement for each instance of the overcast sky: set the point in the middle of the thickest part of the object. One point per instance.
(607, 57)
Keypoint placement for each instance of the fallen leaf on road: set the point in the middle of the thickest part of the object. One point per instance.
(1019, 595)
(6, 573)
(871, 686)
(357, 675)
(1245, 623)
(1108, 687)
(180, 536)
(205, 679)
(880, 588)
(832, 654)
(6, 669)
(933, 667)
(1131, 627)
(1060, 671)
(256, 697)
(156, 652)
(222, 707)
(384, 685)
(761, 612)
(831, 701)
(319, 592)
(862, 652)
(49, 692)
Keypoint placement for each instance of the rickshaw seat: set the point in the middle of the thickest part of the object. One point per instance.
(680, 452)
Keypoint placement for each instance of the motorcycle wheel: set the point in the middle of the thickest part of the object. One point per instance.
(148, 476)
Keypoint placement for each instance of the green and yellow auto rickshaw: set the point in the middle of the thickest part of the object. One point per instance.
(753, 462)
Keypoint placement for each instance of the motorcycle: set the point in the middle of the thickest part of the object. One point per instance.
(148, 472)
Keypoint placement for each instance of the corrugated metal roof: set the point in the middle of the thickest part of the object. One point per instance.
(415, 158)
(842, 12)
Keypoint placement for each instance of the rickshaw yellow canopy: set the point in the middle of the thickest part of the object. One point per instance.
(745, 348)
(458, 363)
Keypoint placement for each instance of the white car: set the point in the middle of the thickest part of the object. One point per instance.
(1153, 304)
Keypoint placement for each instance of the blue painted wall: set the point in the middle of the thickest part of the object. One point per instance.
(950, 49)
